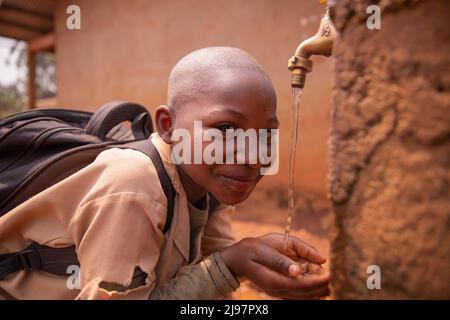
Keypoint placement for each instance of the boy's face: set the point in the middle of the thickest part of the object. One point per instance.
(239, 98)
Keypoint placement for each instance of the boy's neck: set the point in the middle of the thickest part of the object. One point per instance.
(193, 190)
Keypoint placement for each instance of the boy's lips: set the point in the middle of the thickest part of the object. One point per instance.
(239, 184)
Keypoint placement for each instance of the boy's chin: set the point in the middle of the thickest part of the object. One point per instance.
(231, 198)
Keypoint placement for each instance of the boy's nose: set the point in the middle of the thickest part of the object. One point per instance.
(256, 165)
(251, 154)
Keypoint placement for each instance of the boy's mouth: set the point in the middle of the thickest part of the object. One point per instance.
(238, 183)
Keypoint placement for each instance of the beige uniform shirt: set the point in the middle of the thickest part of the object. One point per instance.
(113, 211)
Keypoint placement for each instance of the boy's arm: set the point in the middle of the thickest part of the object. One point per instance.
(116, 235)
(255, 259)
(209, 279)
(218, 232)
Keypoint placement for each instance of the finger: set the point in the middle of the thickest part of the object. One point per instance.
(276, 261)
(275, 281)
(275, 240)
(270, 280)
(314, 281)
(307, 252)
(308, 244)
(307, 293)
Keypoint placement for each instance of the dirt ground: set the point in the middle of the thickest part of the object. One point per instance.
(266, 211)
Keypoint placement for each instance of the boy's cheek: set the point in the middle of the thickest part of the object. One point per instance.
(224, 194)
(202, 174)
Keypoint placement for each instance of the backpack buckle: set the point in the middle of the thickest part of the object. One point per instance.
(28, 260)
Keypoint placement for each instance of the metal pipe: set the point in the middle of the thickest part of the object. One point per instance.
(319, 44)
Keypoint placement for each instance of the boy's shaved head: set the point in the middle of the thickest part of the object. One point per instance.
(193, 76)
(220, 88)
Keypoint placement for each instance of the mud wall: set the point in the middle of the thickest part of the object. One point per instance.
(390, 150)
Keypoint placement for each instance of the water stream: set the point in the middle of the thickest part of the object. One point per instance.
(296, 94)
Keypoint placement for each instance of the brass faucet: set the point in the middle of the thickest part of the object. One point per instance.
(319, 44)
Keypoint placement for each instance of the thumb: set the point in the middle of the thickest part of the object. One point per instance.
(276, 261)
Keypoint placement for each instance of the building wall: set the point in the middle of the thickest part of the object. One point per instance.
(126, 49)
(390, 161)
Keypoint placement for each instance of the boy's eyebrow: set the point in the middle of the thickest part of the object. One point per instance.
(236, 113)
(222, 110)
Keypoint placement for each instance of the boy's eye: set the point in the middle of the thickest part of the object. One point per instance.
(224, 127)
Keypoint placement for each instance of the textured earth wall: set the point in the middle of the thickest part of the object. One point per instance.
(390, 150)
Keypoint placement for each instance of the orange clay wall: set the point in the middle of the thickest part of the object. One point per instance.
(126, 49)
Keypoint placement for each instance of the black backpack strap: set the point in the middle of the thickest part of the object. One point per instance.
(147, 147)
(165, 181)
(57, 260)
(37, 256)
(113, 113)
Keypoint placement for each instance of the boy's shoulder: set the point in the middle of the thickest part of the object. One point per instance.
(122, 156)
(125, 164)
(118, 170)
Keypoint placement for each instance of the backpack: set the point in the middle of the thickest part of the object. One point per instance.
(39, 148)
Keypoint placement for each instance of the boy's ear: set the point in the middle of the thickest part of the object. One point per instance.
(163, 121)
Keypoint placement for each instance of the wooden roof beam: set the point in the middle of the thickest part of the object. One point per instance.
(17, 32)
(25, 19)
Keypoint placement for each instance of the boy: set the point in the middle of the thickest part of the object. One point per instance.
(113, 210)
